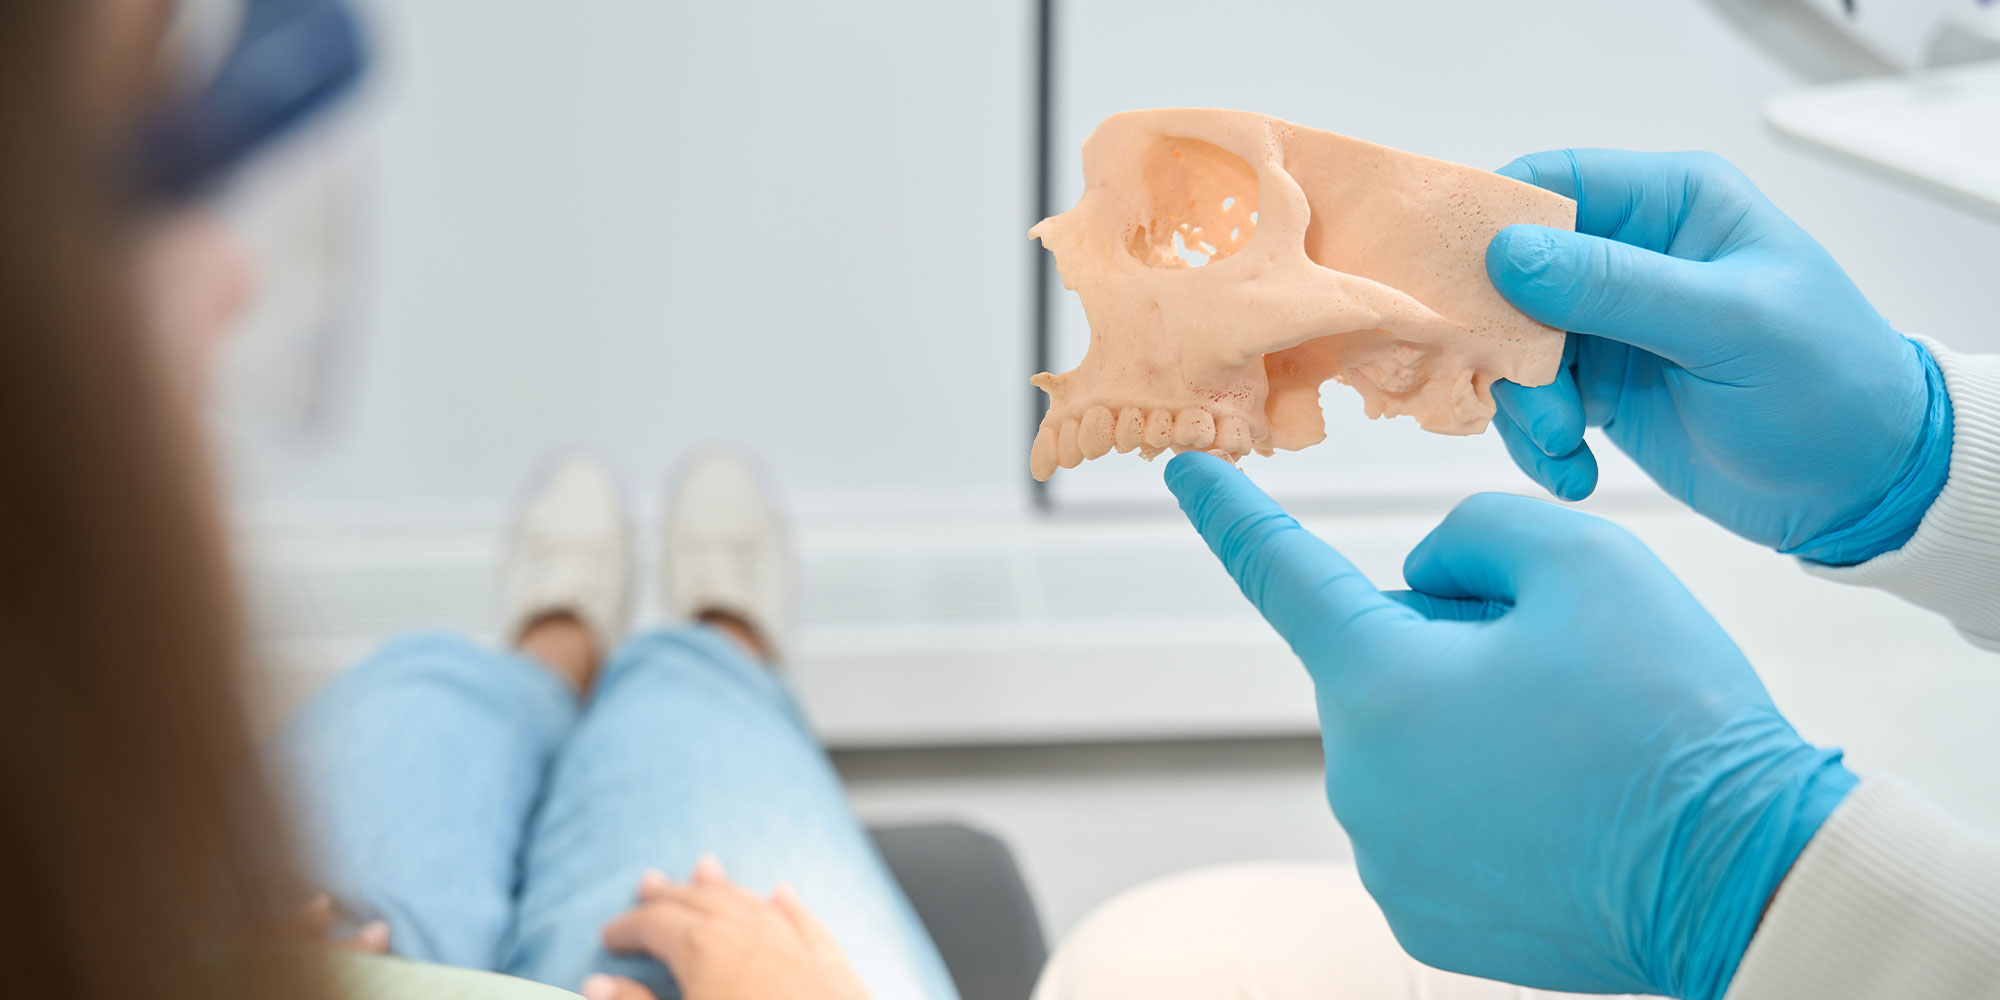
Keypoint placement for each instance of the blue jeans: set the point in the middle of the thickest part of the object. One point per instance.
(465, 796)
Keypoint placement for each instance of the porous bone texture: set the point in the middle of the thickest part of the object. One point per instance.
(1230, 264)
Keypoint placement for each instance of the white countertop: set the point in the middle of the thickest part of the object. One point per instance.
(1937, 131)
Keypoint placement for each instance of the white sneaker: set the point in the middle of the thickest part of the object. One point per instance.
(569, 551)
(724, 546)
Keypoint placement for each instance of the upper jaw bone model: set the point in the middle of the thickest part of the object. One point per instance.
(1230, 264)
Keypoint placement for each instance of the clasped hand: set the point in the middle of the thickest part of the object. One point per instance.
(724, 942)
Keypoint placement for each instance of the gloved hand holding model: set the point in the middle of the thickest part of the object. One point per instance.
(1555, 768)
(1725, 351)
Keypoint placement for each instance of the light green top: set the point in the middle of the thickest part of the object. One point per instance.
(375, 977)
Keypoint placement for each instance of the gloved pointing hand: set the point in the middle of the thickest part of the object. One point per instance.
(1555, 768)
(1725, 351)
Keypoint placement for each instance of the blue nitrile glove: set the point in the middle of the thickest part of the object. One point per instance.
(1725, 351)
(1555, 768)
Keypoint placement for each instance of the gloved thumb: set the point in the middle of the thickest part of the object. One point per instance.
(1588, 284)
(1302, 586)
(1493, 546)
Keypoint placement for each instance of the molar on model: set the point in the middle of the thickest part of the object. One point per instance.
(1230, 264)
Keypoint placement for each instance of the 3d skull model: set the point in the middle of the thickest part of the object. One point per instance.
(1230, 264)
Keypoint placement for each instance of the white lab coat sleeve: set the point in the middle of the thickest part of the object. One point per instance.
(1952, 564)
(1891, 900)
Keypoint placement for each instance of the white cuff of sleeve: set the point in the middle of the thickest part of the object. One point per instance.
(1891, 899)
(1952, 564)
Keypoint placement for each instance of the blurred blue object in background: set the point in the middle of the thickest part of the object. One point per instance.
(290, 61)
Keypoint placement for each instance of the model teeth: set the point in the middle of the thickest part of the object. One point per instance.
(1194, 429)
(1068, 454)
(1232, 435)
(1131, 429)
(1094, 437)
(1066, 442)
(1042, 459)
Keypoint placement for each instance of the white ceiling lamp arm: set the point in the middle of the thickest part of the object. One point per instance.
(1806, 38)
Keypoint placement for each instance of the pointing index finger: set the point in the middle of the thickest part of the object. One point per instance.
(1305, 589)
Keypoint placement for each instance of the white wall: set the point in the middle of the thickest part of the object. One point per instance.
(635, 227)
(638, 226)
